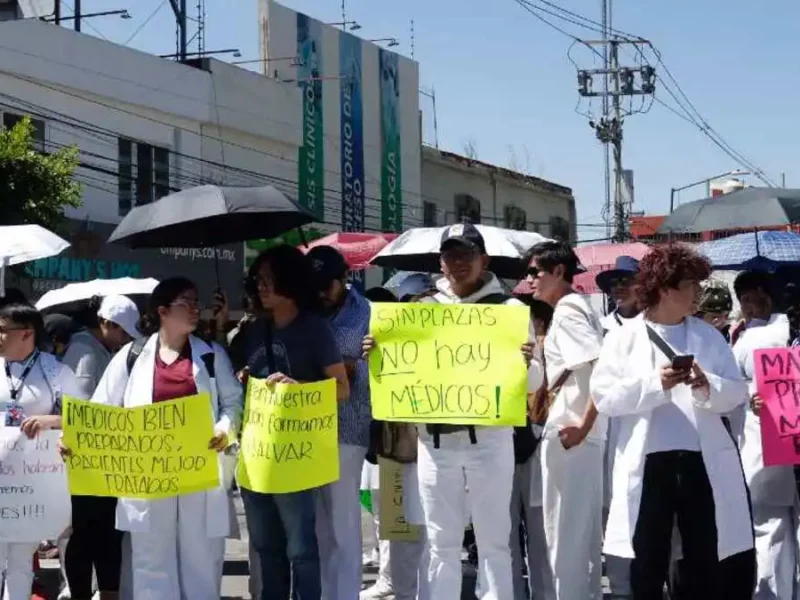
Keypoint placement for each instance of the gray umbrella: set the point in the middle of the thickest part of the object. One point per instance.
(749, 208)
(210, 215)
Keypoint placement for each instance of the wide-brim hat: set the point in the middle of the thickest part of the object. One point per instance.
(624, 267)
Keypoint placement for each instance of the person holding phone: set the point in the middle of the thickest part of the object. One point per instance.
(670, 378)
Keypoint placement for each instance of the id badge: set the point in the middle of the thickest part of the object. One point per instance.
(14, 415)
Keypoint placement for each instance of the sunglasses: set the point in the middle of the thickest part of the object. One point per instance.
(533, 272)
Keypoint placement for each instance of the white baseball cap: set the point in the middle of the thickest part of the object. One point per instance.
(121, 311)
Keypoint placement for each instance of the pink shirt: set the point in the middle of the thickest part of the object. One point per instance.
(175, 380)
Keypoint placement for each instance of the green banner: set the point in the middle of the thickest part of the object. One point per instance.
(391, 189)
(311, 159)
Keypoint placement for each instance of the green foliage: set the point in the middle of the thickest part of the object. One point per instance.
(35, 188)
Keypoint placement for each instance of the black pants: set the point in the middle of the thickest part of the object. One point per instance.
(676, 485)
(95, 542)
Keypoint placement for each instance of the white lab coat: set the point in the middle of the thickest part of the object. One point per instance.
(206, 514)
(626, 384)
(772, 489)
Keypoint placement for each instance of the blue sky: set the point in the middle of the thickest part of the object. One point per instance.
(503, 81)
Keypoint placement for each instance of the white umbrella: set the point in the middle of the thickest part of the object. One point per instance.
(418, 250)
(24, 243)
(78, 292)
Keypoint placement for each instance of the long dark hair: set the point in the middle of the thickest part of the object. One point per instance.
(292, 276)
(164, 294)
(27, 316)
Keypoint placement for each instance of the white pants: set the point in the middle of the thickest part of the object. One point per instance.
(17, 561)
(461, 478)
(572, 500)
(401, 567)
(339, 527)
(540, 577)
(178, 561)
(775, 552)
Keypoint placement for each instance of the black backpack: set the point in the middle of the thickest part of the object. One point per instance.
(138, 345)
(525, 442)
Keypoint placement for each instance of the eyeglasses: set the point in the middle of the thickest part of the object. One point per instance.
(533, 272)
(190, 305)
(464, 254)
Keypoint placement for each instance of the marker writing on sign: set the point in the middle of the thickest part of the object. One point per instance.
(435, 317)
(497, 402)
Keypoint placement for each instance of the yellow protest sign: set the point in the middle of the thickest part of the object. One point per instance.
(392, 524)
(289, 437)
(457, 364)
(155, 451)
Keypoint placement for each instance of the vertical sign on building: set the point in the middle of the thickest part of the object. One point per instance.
(311, 159)
(391, 192)
(352, 133)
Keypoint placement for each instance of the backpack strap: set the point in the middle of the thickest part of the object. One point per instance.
(134, 351)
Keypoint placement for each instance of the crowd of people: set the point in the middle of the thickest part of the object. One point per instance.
(641, 458)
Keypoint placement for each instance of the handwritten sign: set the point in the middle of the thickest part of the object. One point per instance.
(777, 373)
(392, 524)
(289, 437)
(155, 451)
(34, 499)
(449, 363)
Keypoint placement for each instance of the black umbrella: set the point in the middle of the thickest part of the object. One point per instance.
(210, 215)
(749, 208)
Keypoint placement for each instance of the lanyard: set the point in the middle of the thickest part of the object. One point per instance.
(14, 391)
(617, 318)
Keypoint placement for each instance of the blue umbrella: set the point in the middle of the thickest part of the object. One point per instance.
(764, 250)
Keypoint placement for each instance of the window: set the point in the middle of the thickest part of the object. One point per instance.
(429, 214)
(11, 119)
(515, 218)
(559, 229)
(143, 174)
(467, 207)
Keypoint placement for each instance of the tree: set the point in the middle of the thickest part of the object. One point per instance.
(471, 149)
(35, 187)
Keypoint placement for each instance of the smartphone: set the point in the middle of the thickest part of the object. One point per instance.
(683, 363)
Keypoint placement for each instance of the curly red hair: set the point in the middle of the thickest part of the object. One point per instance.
(664, 268)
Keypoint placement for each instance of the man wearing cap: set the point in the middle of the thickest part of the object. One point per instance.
(715, 305)
(465, 470)
(338, 508)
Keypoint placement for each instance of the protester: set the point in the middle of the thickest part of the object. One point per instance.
(772, 489)
(617, 283)
(177, 543)
(30, 397)
(528, 544)
(294, 344)
(464, 469)
(402, 572)
(338, 508)
(574, 436)
(59, 330)
(669, 377)
(94, 543)
(715, 305)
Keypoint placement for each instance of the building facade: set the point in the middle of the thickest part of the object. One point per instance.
(455, 188)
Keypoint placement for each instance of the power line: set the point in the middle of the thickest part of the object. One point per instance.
(145, 22)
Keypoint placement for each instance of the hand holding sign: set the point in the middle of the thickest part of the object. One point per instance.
(456, 364)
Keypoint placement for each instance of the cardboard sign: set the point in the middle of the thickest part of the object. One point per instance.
(392, 524)
(777, 373)
(456, 364)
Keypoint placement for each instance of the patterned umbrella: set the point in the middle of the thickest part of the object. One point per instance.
(357, 248)
(764, 250)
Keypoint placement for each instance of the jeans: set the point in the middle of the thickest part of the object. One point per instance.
(282, 531)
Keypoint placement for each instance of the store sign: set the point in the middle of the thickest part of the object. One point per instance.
(352, 133)
(391, 192)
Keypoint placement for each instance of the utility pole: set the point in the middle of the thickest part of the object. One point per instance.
(77, 15)
(625, 82)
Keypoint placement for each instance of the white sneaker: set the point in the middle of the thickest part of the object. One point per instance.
(379, 591)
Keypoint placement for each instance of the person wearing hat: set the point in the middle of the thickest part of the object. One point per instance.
(715, 305)
(617, 283)
(338, 508)
(95, 544)
(467, 470)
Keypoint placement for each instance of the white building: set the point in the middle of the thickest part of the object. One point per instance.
(455, 187)
(146, 126)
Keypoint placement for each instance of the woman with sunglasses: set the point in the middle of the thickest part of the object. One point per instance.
(30, 398)
(177, 543)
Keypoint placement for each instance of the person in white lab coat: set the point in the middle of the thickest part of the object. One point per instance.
(466, 470)
(30, 398)
(669, 378)
(616, 283)
(177, 543)
(574, 437)
(772, 489)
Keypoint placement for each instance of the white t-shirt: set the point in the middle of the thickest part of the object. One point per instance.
(573, 343)
(670, 426)
(36, 397)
